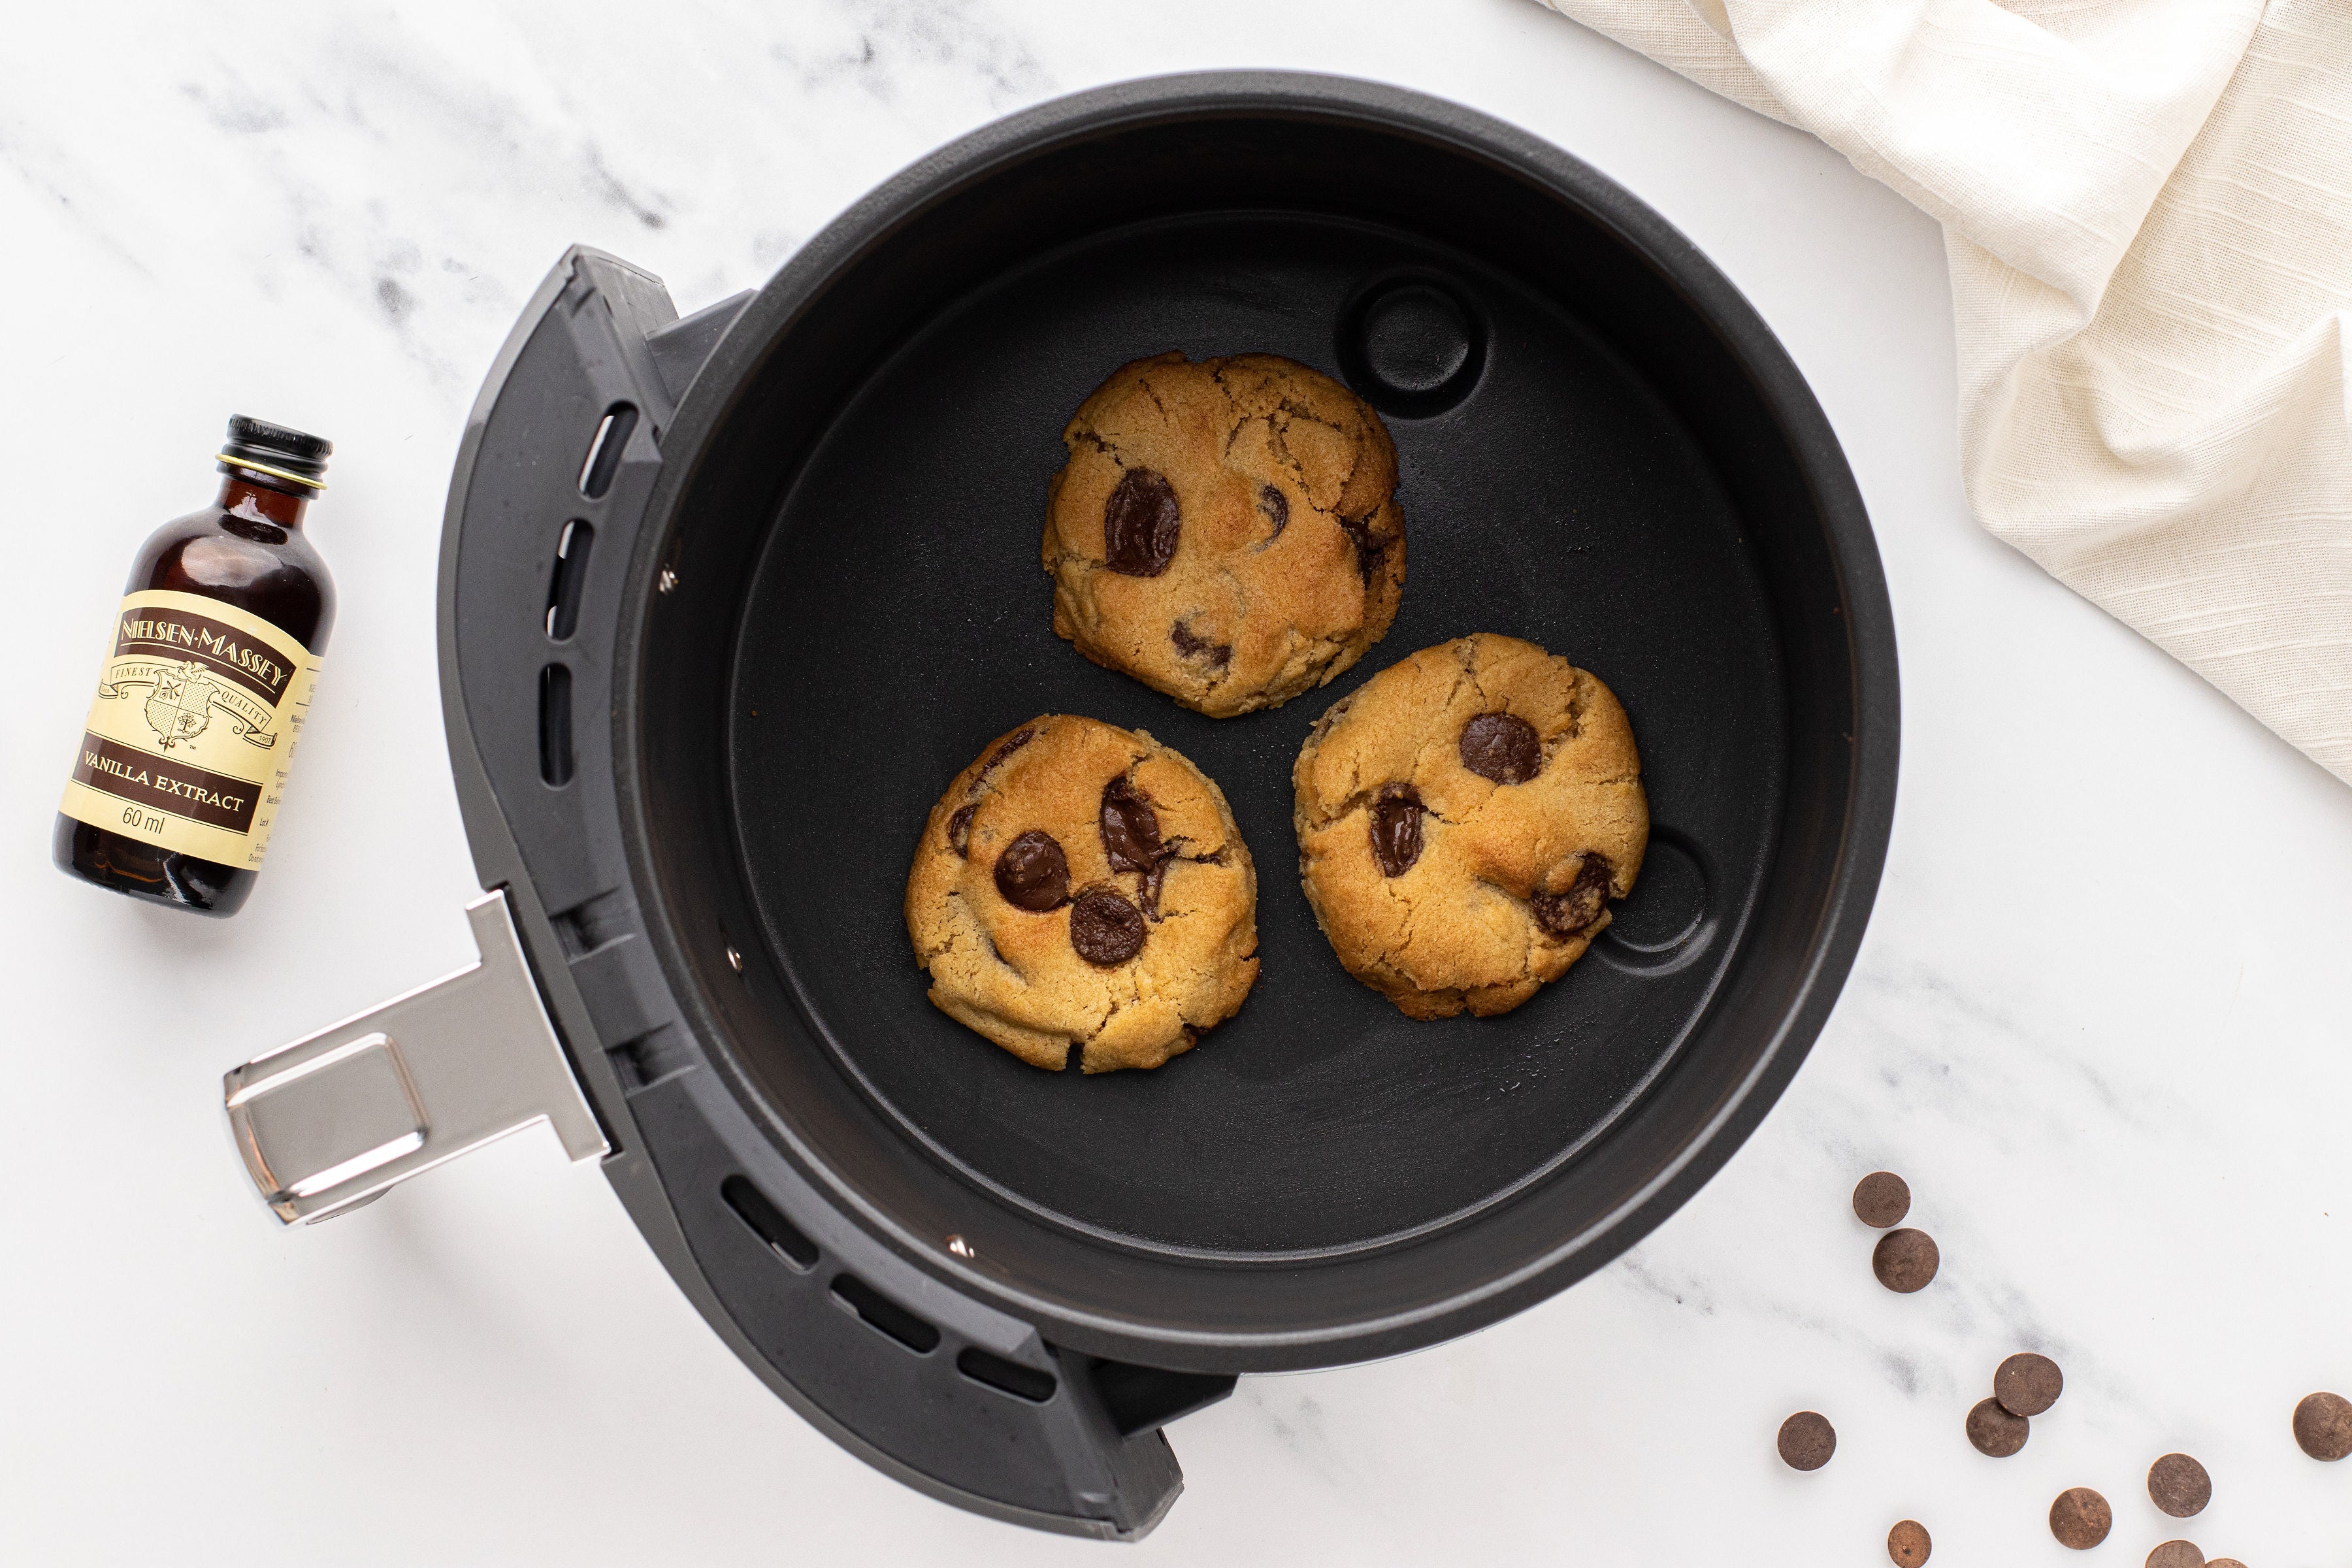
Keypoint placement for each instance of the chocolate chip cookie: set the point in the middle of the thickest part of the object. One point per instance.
(1465, 819)
(1225, 530)
(1081, 885)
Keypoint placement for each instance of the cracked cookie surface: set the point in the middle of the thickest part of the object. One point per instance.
(1083, 885)
(1465, 819)
(1225, 530)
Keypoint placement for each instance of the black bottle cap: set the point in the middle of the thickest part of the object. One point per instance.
(275, 452)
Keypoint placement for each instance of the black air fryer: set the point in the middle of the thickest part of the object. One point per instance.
(726, 601)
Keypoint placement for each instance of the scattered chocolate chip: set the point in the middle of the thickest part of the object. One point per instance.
(1994, 1432)
(1368, 549)
(1807, 1440)
(1215, 655)
(1005, 748)
(2323, 1426)
(2028, 1384)
(1905, 1260)
(2180, 1485)
(1566, 914)
(1502, 747)
(1907, 1544)
(959, 830)
(1105, 928)
(1140, 523)
(1033, 873)
(2081, 1518)
(1396, 828)
(1276, 507)
(2177, 1554)
(1131, 828)
(1881, 1199)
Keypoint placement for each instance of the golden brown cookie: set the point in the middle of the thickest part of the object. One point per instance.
(1225, 530)
(1084, 885)
(1464, 820)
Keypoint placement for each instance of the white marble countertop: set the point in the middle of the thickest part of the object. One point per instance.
(2099, 1020)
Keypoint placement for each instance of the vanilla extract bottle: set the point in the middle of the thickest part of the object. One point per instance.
(207, 679)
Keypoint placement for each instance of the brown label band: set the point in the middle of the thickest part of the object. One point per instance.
(183, 635)
(199, 794)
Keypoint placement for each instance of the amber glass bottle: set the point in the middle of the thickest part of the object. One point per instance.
(206, 681)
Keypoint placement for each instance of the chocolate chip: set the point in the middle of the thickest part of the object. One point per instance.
(2081, 1518)
(1033, 873)
(1216, 655)
(1502, 747)
(2177, 1554)
(1994, 1432)
(1131, 828)
(1276, 507)
(2028, 1384)
(959, 830)
(1396, 828)
(1907, 1544)
(1005, 748)
(1905, 1260)
(1566, 914)
(1140, 524)
(1807, 1440)
(1105, 928)
(1368, 549)
(2323, 1426)
(2180, 1485)
(1882, 1198)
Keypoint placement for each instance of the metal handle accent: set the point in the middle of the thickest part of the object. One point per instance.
(332, 1121)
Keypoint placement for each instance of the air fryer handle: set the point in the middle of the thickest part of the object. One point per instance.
(331, 1121)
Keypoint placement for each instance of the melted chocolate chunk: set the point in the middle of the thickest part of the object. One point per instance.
(1013, 742)
(1276, 507)
(1131, 828)
(1033, 873)
(959, 830)
(1217, 654)
(1151, 881)
(1566, 914)
(1140, 524)
(1396, 828)
(1105, 928)
(1369, 549)
(1502, 747)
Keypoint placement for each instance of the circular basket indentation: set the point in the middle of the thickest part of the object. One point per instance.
(1663, 923)
(1412, 345)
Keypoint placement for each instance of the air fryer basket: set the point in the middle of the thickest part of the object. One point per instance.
(719, 621)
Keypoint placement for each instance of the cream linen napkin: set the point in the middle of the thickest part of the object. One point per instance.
(2147, 209)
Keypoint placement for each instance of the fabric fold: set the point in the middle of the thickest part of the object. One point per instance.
(2148, 210)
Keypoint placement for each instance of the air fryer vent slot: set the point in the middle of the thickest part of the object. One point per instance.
(604, 458)
(555, 725)
(882, 1313)
(783, 1236)
(569, 578)
(1006, 1376)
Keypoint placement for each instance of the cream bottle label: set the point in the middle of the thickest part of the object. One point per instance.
(193, 728)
